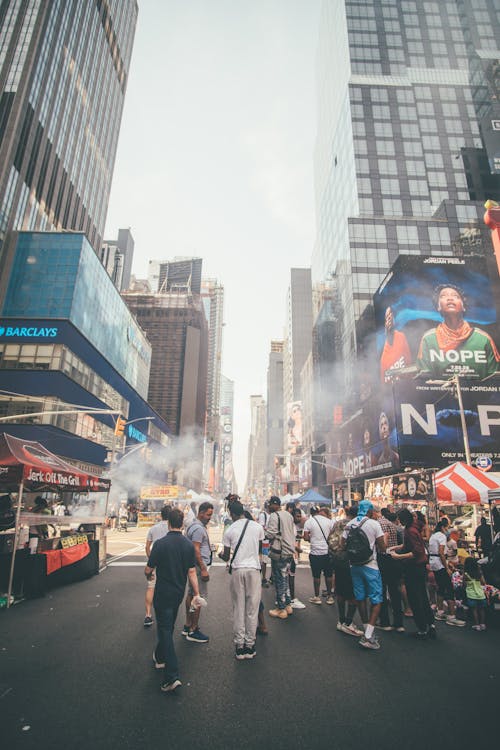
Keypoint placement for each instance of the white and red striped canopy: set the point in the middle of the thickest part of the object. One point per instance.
(460, 483)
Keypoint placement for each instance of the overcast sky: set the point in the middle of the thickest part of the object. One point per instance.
(215, 159)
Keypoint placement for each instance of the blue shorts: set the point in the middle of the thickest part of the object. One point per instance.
(473, 603)
(367, 583)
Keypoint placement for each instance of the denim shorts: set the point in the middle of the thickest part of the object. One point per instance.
(473, 603)
(367, 583)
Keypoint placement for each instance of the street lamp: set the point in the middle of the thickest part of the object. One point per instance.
(454, 383)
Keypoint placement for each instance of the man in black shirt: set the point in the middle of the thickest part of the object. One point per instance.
(483, 537)
(174, 560)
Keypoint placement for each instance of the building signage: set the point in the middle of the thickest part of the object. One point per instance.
(136, 434)
(28, 332)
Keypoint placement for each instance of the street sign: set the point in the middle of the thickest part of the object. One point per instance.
(484, 463)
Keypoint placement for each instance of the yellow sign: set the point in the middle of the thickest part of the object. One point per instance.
(71, 541)
(147, 519)
(166, 491)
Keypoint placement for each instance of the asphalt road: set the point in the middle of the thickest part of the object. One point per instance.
(76, 672)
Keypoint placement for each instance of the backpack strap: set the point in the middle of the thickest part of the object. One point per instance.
(321, 529)
(238, 545)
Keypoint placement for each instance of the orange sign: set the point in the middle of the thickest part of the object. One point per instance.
(159, 492)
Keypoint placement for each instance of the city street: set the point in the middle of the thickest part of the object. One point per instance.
(76, 670)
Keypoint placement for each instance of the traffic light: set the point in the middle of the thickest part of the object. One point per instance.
(120, 426)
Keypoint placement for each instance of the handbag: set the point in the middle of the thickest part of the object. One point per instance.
(275, 548)
(230, 569)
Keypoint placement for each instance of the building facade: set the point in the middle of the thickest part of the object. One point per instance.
(275, 420)
(257, 477)
(63, 75)
(117, 256)
(212, 296)
(226, 481)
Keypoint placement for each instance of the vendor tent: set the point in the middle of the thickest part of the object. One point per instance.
(311, 496)
(460, 483)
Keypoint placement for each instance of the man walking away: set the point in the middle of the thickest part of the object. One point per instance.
(244, 537)
(317, 529)
(362, 537)
(158, 531)
(197, 534)
(174, 561)
(344, 592)
(281, 533)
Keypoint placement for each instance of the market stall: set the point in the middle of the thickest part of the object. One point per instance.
(28, 467)
(460, 483)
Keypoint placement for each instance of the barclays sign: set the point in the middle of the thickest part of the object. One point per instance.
(28, 332)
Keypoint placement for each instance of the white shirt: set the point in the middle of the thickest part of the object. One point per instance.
(317, 526)
(248, 551)
(263, 518)
(437, 539)
(373, 531)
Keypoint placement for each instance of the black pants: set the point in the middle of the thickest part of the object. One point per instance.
(416, 588)
(390, 570)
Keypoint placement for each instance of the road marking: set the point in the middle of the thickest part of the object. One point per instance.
(129, 551)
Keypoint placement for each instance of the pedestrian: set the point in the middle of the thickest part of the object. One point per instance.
(439, 567)
(363, 538)
(476, 598)
(296, 514)
(263, 518)
(281, 533)
(413, 555)
(344, 592)
(197, 534)
(173, 559)
(317, 529)
(391, 573)
(244, 537)
(482, 534)
(158, 531)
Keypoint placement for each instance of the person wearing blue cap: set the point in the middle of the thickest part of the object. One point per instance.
(362, 537)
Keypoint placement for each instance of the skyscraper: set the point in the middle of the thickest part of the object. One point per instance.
(256, 485)
(63, 75)
(274, 405)
(212, 297)
(408, 140)
(117, 256)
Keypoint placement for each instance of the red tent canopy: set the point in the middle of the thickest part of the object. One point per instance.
(459, 483)
(30, 462)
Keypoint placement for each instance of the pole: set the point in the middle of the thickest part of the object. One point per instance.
(16, 537)
(456, 380)
(349, 501)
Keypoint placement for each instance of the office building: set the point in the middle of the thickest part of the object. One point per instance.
(66, 338)
(63, 75)
(212, 297)
(275, 412)
(179, 274)
(407, 145)
(226, 481)
(116, 257)
(257, 477)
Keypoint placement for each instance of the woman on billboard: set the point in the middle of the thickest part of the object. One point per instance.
(455, 347)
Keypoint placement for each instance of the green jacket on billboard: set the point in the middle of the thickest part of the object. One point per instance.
(477, 356)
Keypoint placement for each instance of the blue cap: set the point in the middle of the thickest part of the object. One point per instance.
(363, 508)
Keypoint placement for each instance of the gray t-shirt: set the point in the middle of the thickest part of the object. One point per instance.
(157, 531)
(198, 533)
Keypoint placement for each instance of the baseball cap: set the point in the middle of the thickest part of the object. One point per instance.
(274, 499)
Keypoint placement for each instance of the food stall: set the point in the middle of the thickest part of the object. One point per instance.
(152, 498)
(70, 549)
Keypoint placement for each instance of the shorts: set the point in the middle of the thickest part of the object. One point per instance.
(476, 603)
(202, 585)
(152, 580)
(343, 581)
(321, 564)
(367, 583)
(444, 584)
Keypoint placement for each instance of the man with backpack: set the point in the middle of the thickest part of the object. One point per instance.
(362, 538)
(344, 592)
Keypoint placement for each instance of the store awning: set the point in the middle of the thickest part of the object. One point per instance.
(459, 484)
(31, 463)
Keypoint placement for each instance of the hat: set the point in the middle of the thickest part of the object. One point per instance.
(363, 508)
(274, 499)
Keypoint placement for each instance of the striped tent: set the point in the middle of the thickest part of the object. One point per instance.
(460, 483)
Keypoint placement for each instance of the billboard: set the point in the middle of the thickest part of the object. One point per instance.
(294, 427)
(398, 488)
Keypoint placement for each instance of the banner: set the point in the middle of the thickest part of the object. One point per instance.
(294, 427)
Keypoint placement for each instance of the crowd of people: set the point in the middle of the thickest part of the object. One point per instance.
(382, 565)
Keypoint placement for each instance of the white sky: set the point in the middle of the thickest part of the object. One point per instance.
(215, 159)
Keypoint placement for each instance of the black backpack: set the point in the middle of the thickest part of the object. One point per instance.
(357, 546)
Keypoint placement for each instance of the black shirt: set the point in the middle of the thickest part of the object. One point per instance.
(483, 532)
(172, 556)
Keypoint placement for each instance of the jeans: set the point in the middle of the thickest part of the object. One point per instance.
(391, 577)
(415, 577)
(246, 588)
(166, 613)
(281, 571)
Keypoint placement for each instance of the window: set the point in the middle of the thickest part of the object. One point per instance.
(389, 187)
(387, 166)
(392, 207)
(386, 148)
(407, 235)
(383, 130)
(418, 187)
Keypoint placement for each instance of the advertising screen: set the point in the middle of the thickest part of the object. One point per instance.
(294, 426)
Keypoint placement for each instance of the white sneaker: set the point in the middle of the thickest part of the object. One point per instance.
(454, 621)
(315, 600)
(352, 630)
(340, 626)
(297, 604)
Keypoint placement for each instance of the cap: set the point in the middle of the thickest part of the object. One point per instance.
(274, 499)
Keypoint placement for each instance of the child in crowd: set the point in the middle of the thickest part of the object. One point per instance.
(476, 598)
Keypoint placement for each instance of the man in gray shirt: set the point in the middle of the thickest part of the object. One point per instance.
(281, 533)
(157, 531)
(197, 533)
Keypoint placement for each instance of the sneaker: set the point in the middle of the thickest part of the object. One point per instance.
(196, 636)
(330, 599)
(439, 615)
(240, 653)
(453, 621)
(170, 687)
(387, 628)
(340, 626)
(400, 629)
(476, 627)
(289, 609)
(369, 642)
(158, 664)
(432, 632)
(250, 652)
(148, 621)
(185, 631)
(351, 630)
(481, 627)
(297, 604)
(315, 600)
(281, 613)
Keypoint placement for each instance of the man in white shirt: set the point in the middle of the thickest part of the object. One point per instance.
(244, 537)
(365, 531)
(157, 531)
(317, 528)
(263, 518)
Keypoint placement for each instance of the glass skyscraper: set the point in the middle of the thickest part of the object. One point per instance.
(63, 74)
(407, 140)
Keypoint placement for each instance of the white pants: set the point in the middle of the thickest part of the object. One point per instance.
(245, 586)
